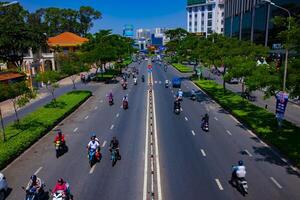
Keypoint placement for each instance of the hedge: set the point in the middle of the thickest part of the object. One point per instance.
(182, 68)
(36, 124)
(263, 123)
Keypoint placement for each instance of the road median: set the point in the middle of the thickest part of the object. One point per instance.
(182, 68)
(263, 123)
(32, 127)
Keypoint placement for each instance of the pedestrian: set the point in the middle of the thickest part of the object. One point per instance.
(266, 106)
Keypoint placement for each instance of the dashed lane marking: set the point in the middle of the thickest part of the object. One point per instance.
(219, 184)
(117, 115)
(203, 152)
(104, 143)
(193, 132)
(92, 169)
(96, 107)
(186, 119)
(275, 182)
(38, 170)
(112, 127)
(75, 130)
(229, 133)
(101, 101)
(86, 117)
(247, 152)
(216, 118)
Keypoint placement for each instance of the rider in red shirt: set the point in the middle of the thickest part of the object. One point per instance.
(60, 137)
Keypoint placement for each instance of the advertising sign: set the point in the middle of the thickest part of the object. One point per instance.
(281, 102)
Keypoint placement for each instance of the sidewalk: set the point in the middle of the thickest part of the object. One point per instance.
(7, 106)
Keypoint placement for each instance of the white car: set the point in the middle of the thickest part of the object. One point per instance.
(3, 187)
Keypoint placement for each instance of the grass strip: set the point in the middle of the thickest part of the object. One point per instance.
(263, 123)
(36, 124)
(182, 68)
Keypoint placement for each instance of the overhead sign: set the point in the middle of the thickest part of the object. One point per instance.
(281, 103)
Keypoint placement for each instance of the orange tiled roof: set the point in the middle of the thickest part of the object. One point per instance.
(10, 75)
(66, 39)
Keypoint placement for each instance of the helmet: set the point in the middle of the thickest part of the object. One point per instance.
(59, 132)
(241, 163)
(93, 135)
(114, 137)
(60, 180)
(33, 177)
(179, 89)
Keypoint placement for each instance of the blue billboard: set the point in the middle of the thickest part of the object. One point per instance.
(128, 31)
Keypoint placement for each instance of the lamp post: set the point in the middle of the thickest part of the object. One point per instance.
(286, 48)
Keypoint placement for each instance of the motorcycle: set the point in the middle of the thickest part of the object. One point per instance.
(135, 81)
(114, 156)
(124, 85)
(60, 148)
(125, 105)
(32, 194)
(111, 101)
(166, 84)
(193, 97)
(94, 156)
(177, 110)
(143, 79)
(60, 195)
(241, 185)
(205, 126)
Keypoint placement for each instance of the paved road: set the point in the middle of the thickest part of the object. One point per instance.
(193, 164)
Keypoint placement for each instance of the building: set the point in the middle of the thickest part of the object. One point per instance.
(252, 20)
(128, 31)
(160, 33)
(143, 33)
(205, 16)
(157, 40)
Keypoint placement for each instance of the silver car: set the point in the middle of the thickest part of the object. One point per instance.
(3, 187)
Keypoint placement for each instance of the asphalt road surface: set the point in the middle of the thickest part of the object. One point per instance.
(193, 164)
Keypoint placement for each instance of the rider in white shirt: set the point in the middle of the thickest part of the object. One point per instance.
(94, 144)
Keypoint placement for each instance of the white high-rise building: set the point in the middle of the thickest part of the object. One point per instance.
(143, 34)
(205, 16)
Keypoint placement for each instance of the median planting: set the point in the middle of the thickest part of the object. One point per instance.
(21, 136)
(182, 68)
(263, 123)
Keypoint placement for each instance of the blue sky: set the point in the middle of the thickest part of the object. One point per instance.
(117, 13)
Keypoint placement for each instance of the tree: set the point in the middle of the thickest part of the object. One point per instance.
(19, 94)
(17, 35)
(71, 65)
(49, 78)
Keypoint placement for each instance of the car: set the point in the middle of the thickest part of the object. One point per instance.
(3, 187)
(192, 62)
(176, 82)
(234, 81)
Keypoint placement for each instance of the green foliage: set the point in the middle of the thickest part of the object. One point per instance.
(182, 68)
(263, 123)
(36, 124)
(17, 35)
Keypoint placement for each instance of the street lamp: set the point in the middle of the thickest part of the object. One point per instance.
(8, 4)
(286, 48)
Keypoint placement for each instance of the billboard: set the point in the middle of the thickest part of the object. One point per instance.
(128, 31)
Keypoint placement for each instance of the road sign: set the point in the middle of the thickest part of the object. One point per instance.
(281, 102)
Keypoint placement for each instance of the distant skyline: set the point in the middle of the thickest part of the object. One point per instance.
(116, 14)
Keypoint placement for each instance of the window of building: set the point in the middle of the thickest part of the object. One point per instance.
(202, 29)
(202, 8)
(195, 29)
(190, 23)
(196, 15)
(222, 30)
(209, 22)
(222, 21)
(209, 15)
(202, 15)
(195, 23)
(190, 29)
(209, 7)
(190, 16)
(202, 22)
(209, 30)
(222, 14)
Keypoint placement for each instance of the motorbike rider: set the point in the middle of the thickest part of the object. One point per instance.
(193, 93)
(114, 145)
(61, 185)
(205, 118)
(176, 104)
(180, 93)
(60, 138)
(94, 145)
(34, 184)
(238, 171)
(110, 96)
(143, 78)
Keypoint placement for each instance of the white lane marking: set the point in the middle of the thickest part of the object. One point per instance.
(117, 115)
(247, 152)
(159, 82)
(193, 132)
(145, 191)
(104, 143)
(229, 133)
(216, 118)
(186, 119)
(181, 109)
(155, 82)
(121, 106)
(92, 169)
(159, 194)
(276, 183)
(203, 152)
(75, 130)
(172, 91)
(112, 127)
(86, 117)
(101, 101)
(96, 107)
(38, 170)
(219, 184)
(174, 96)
